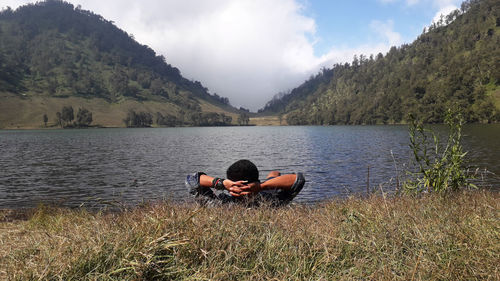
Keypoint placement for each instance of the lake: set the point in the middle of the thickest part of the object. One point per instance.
(92, 167)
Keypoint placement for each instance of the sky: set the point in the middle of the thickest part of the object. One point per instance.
(250, 50)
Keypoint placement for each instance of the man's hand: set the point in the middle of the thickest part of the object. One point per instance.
(234, 187)
(246, 189)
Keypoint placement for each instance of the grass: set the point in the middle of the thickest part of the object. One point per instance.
(267, 121)
(400, 238)
(27, 113)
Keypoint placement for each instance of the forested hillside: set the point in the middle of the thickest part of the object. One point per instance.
(52, 52)
(455, 63)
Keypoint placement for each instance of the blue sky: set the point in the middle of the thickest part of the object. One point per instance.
(348, 23)
(249, 50)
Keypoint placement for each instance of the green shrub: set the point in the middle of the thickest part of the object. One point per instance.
(440, 168)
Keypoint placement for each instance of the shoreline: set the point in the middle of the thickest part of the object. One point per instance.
(116, 127)
(249, 125)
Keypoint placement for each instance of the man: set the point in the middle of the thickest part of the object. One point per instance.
(244, 186)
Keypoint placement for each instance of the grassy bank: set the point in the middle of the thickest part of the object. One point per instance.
(27, 113)
(267, 121)
(371, 238)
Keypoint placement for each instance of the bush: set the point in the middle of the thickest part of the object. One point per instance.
(83, 117)
(138, 119)
(440, 169)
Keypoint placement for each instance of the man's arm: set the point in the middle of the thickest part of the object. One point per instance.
(232, 186)
(284, 182)
(206, 181)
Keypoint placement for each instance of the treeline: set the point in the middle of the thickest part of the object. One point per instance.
(455, 63)
(146, 119)
(243, 119)
(66, 118)
(53, 48)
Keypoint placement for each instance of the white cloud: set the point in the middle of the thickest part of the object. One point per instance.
(386, 29)
(13, 3)
(444, 11)
(445, 7)
(388, 36)
(246, 50)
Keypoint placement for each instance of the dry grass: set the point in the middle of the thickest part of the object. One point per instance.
(401, 238)
(208, 107)
(27, 113)
(267, 121)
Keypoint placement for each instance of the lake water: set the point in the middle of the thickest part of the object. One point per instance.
(94, 166)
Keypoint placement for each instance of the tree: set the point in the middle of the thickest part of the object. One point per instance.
(59, 119)
(157, 87)
(195, 118)
(166, 120)
(67, 115)
(119, 82)
(45, 119)
(130, 119)
(83, 117)
(145, 119)
(226, 120)
(243, 119)
(448, 64)
(140, 119)
(61, 50)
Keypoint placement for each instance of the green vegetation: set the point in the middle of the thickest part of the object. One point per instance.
(65, 119)
(53, 50)
(138, 119)
(169, 120)
(210, 119)
(243, 119)
(423, 238)
(145, 119)
(45, 119)
(454, 62)
(83, 117)
(67, 115)
(440, 169)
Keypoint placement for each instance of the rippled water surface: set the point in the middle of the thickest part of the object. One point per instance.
(96, 166)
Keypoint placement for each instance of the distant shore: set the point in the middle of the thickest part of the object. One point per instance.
(249, 125)
(113, 127)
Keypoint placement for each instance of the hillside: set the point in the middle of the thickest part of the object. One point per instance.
(455, 63)
(53, 54)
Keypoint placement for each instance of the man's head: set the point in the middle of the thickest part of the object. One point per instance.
(243, 170)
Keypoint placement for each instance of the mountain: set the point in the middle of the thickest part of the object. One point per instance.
(455, 63)
(53, 55)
